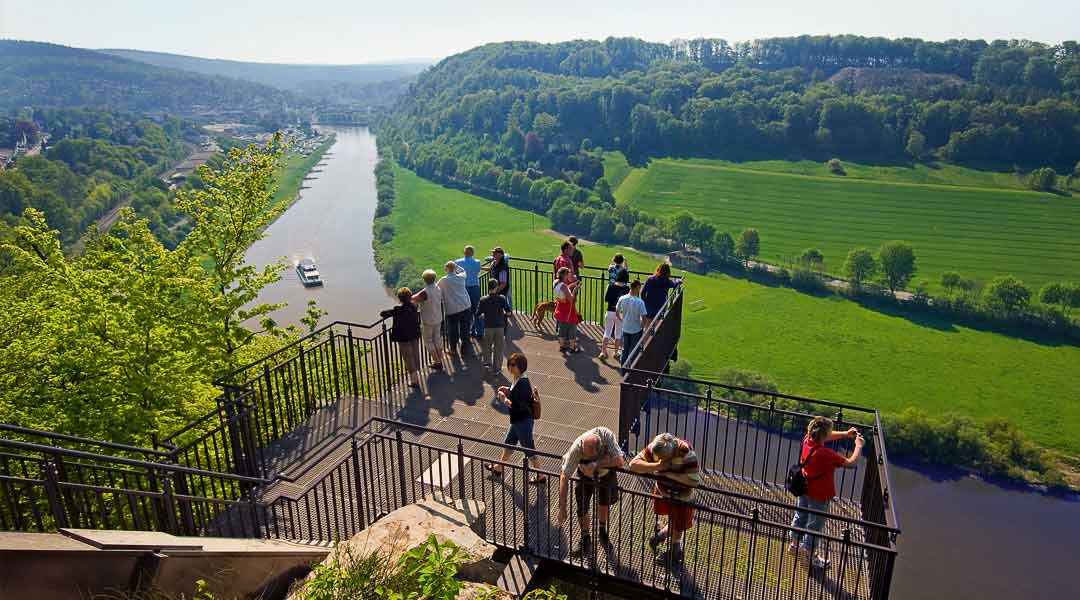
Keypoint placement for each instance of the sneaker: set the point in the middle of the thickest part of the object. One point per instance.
(487, 365)
(602, 356)
(820, 562)
(654, 542)
(436, 367)
(586, 545)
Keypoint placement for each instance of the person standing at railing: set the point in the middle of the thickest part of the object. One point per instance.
(565, 287)
(500, 271)
(519, 399)
(819, 464)
(472, 283)
(593, 456)
(564, 259)
(656, 290)
(675, 464)
(612, 323)
(618, 264)
(430, 302)
(405, 332)
(577, 259)
(458, 307)
(631, 311)
(494, 310)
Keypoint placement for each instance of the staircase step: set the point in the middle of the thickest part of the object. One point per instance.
(518, 573)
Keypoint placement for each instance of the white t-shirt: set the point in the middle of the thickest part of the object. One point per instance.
(431, 309)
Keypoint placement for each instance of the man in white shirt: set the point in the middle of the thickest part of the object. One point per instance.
(457, 305)
(631, 309)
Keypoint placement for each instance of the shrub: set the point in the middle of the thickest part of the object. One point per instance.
(383, 231)
(1044, 179)
(808, 281)
(835, 167)
(544, 594)
(1006, 295)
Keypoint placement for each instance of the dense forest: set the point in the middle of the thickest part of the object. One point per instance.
(48, 75)
(96, 160)
(523, 105)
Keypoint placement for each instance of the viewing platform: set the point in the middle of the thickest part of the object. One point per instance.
(323, 437)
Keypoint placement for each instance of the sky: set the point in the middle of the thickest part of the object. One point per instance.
(360, 31)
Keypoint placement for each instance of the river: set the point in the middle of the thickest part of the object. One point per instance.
(962, 537)
(330, 223)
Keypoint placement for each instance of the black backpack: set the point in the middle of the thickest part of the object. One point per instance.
(796, 481)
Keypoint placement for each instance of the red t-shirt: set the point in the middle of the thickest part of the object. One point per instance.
(820, 482)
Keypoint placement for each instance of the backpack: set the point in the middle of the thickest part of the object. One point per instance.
(536, 407)
(796, 482)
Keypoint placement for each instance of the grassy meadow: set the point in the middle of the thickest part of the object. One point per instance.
(830, 348)
(955, 218)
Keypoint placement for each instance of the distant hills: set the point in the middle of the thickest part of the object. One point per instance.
(336, 82)
(49, 75)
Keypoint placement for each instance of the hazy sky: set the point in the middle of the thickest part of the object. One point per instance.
(333, 31)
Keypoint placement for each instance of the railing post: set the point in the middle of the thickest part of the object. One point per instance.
(187, 518)
(461, 469)
(388, 374)
(308, 407)
(357, 484)
(270, 402)
(525, 502)
(334, 364)
(168, 506)
(352, 363)
(235, 443)
(402, 484)
(52, 491)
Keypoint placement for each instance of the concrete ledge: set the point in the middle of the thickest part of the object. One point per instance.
(78, 564)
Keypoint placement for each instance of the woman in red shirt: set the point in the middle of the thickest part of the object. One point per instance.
(819, 466)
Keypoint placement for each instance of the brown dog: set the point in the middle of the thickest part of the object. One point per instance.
(541, 310)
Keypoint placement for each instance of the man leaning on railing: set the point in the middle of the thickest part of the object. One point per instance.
(595, 456)
(675, 464)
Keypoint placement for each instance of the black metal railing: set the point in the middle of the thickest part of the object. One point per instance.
(659, 342)
(45, 488)
(736, 548)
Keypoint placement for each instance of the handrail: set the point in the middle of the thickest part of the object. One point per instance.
(889, 489)
(234, 402)
(654, 325)
(546, 454)
(225, 380)
(736, 403)
(131, 462)
(81, 440)
(861, 409)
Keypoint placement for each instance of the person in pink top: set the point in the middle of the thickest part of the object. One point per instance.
(564, 259)
(819, 465)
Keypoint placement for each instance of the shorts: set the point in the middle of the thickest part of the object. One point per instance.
(521, 433)
(566, 331)
(432, 335)
(410, 353)
(680, 516)
(606, 489)
(612, 327)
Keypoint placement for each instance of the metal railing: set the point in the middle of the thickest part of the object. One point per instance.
(736, 548)
(47, 487)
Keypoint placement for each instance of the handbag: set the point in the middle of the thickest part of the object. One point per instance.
(536, 406)
(796, 482)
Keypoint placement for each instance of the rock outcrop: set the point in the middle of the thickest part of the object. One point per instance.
(410, 526)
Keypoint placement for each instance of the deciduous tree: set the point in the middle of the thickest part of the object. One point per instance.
(860, 266)
(747, 246)
(897, 261)
(1006, 295)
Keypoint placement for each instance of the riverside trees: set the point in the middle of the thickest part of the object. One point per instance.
(123, 342)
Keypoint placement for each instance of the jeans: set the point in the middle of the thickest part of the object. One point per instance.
(457, 329)
(474, 300)
(808, 520)
(491, 346)
(629, 340)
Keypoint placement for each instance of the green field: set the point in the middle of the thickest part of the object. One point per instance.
(830, 348)
(972, 228)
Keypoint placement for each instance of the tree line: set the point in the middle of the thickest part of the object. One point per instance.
(524, 105)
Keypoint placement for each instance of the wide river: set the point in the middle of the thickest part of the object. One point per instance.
(962, 537)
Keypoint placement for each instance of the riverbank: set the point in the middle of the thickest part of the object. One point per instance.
(290, 178)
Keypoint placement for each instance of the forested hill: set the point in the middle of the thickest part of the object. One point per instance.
(524, 105)
(48, 75)
(307, 79)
